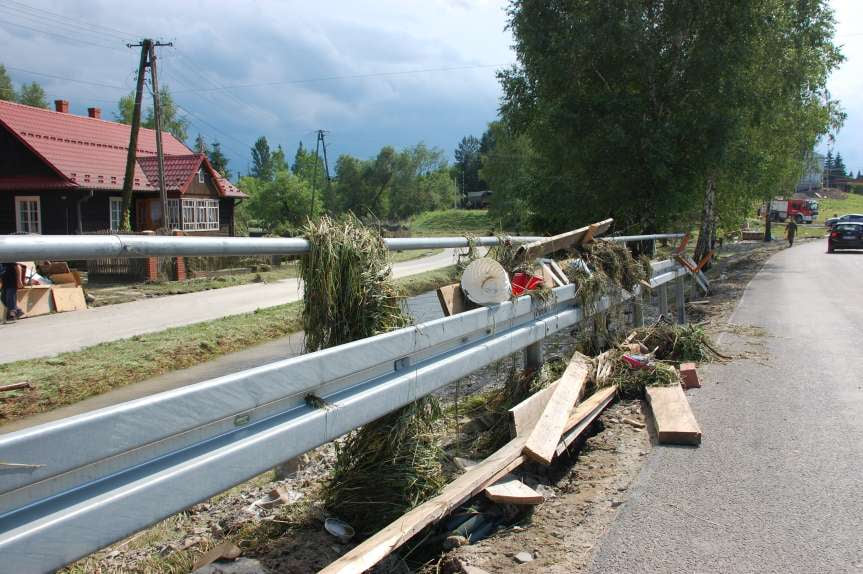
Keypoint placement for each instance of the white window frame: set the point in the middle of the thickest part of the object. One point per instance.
(115, 201)
(201, 175)
(200, 214)
(173, 211)
(19, 224)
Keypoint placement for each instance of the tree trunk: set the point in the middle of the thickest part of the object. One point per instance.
(768, 233)
(707, 231)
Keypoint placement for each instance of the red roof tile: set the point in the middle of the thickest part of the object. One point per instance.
(91, 153)
(179, 170)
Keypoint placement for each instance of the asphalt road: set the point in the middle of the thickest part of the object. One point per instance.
(776, 485)
(51, 335)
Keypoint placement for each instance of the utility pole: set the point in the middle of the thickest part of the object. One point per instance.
(157, 115)
(129, 178)
(318, 144)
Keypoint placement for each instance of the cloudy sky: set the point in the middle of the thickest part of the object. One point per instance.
(370, 73)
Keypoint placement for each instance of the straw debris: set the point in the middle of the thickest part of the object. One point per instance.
(392, 464)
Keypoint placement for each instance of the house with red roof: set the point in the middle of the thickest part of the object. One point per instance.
(62, 173)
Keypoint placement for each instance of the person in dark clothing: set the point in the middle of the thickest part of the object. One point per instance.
(11, 274)
(790, 232)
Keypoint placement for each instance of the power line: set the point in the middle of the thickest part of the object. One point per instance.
(99, 84)
(64, 25)
(98, 28)
(353, 77)
(68, 38)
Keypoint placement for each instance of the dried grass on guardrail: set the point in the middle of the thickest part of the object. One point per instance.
(393, 463)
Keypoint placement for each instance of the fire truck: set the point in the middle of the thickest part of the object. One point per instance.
(800, 210)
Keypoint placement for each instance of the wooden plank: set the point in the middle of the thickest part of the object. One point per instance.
(543, 438)
(452, 300)
(704, 260)
(524, 415)
(682, 245)
(68, 298)
(531, 251)
(584, 415)
(380, 545)
(549, 280)
(559, 272)
(66, 278)
(511, 490)
(675, 423)
(589, 234)
(15, 387)
(472, 482)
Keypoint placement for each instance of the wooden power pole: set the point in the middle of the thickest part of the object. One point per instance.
(157, 115)
(148, 58)
(129, 178)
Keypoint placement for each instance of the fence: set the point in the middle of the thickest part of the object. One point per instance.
(70, 487)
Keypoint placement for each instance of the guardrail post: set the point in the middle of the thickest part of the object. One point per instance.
(663, 300)
(533, 356)
(638, 308)
(681, 299)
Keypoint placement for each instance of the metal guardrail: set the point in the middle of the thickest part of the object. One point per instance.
(75, 485)
(40, 247)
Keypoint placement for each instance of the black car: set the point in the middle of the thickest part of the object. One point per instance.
(845, 236)
(845, 218)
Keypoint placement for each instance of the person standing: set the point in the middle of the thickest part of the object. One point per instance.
(12, 275)
(790, 232)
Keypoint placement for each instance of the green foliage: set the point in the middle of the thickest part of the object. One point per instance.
(507, 169)
(280, 205)
(467, 165)
(394, 185)
(7, 90)
(452, 222)
(172, 122)
(262, 160)
(218, 160)
(32, 94)
(633, 107)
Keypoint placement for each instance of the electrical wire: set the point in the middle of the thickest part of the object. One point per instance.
(57, 35)
(354, 77)
(69, 21)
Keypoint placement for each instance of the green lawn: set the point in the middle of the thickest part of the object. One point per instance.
(452, 222)
(72, 377)
(852, 203)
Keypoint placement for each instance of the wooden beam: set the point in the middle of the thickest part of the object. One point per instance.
(469, 484)
(559, 272)
(584, 415)
(531, 251)
(543, 439)
(589, 235)
(682, 245)
(675, 423)
(379, 546)
(511, 490)
(452, 300)
(524, 415)
(704, 260)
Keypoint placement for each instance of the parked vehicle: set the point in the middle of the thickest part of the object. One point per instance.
(848, 217)
(800, 210)
(845, 236)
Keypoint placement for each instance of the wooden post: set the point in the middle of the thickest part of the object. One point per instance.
(681, 299)
(663, 299)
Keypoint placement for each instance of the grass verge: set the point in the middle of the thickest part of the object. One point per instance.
(73, 377)
(111, 294)
(452, 222)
